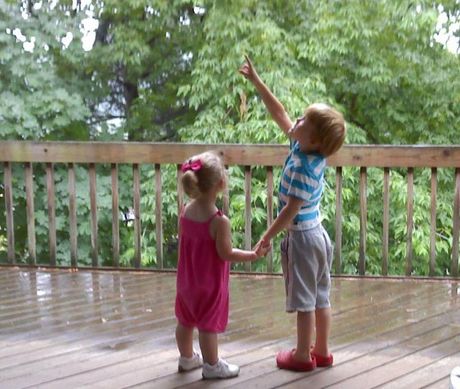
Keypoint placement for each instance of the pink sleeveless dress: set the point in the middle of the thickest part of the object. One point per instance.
(202, 297)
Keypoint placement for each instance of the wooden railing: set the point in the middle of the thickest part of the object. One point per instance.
(160, 154)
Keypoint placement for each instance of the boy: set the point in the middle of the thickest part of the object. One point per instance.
(306, 251)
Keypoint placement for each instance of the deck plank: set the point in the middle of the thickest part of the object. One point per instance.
(104, 329)
(434, 374)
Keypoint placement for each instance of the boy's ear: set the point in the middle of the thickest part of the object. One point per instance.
(314, 138)
(315, 141)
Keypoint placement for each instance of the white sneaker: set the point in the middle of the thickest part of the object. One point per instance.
(187, 364)
(455, 378)
(221, 369)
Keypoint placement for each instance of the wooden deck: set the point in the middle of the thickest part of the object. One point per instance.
(101, 329)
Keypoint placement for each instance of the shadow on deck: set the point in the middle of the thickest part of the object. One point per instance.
(101, 329)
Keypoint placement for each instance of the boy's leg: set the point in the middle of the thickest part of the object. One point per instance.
(184, 340)
(208, 345)
(323, 327)
(323, 307)
(305, 329)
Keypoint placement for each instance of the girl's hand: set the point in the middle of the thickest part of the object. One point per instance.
(247, 70)
(263, 251)
(262, 248)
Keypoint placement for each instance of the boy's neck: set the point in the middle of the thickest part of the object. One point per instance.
(308, 149)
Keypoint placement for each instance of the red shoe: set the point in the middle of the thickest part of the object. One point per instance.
(285, 360)
(323, 361)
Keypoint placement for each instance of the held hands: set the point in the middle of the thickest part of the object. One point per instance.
(248, 70)
(262, 248)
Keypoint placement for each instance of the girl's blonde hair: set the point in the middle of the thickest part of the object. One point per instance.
(330, 127)
(202, 173)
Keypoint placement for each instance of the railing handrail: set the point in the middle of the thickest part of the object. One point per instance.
(233, 154)
(72, 153)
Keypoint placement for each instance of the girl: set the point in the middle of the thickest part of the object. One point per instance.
(205, 249)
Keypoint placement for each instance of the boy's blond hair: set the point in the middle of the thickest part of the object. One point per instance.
(200, 180)
(330, 127)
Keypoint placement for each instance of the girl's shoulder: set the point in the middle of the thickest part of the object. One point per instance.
(219, 224)
(220, 218)
(198, 215)
(194, 212)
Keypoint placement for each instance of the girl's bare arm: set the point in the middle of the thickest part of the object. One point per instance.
(223, 237)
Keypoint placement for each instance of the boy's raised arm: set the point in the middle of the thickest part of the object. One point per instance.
(272, 104)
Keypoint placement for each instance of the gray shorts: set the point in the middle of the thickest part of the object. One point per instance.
(306, 258)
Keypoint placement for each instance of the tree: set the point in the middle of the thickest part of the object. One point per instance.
(40, 100)
(53, 89)
(378, 62)
(167, 70)
(142, 54)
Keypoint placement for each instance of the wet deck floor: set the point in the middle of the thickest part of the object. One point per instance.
(101, 329)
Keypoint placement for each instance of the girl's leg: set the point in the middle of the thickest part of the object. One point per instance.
(184, 340)
(208, 345)
(305, 329)
(323, 328)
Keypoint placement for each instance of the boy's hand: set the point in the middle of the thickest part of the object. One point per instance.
(262, 248)
(263, 251)
(247, 70)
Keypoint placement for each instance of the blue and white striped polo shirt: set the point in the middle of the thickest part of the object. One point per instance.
(302, 177)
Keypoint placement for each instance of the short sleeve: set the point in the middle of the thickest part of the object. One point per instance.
(300, 184)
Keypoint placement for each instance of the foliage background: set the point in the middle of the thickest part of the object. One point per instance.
(167, 71)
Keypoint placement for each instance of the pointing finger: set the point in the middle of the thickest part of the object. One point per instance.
(246, 57)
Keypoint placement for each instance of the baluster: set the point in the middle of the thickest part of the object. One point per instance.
(158, 216)
(51, 213)
(434, 189)
(115, 216)
(226, 198)
(410, 219)
(93, 210)
(72, 216)
(180, 195)
(30, 213)
(386, 219)
(362, 220)
(137, 215)
(338, 219)
(456, 224)
(7, 179)
(247, 213)
(270, 214)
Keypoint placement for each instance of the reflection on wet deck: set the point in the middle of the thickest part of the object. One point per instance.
(106, 329)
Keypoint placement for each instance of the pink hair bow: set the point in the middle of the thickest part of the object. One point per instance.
(191, 165)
